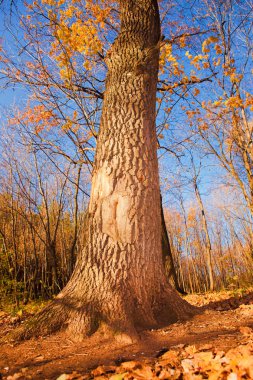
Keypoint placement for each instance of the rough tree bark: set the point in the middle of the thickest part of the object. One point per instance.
(119, 279)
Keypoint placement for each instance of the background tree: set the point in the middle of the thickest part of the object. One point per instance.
(40, 221)
(223, 121)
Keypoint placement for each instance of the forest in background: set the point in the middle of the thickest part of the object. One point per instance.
(204, 129)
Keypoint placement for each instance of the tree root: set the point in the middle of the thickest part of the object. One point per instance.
(63, 314)
(48, 321)
(82, 320)
(172, 308)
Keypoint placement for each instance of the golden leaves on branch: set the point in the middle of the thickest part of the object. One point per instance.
(233, 102)
(40, 119)
(38, 116)
(77, 29)
(206, 44)
(196, 92)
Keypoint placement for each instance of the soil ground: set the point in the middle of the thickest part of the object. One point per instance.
(225, 324)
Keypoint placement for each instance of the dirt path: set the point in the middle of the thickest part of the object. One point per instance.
(48, 358)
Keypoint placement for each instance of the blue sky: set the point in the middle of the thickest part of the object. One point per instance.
(16, 97)
(9, 96)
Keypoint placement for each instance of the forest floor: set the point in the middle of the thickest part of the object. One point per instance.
(217, 344)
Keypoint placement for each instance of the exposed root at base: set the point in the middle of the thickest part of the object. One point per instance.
(48, 321)
(65, 313)
(78, 322)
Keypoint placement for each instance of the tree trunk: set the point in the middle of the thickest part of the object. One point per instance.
(167, 256)
(119, 279)
(208, 245)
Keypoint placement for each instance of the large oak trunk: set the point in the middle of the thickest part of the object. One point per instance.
(119, 278)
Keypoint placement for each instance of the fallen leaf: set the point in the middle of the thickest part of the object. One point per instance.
(39, 358)
(205, 356)
(245, 330)
(179, 346)
(232, 376)
(169, 358)
(190, 350)
(187, 365)
(145, 372)
(130, 365)
(101, 370)
(63, 377)
(17, 376)
(119, 376)
(205, 347)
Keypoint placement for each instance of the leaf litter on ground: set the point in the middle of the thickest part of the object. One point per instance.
(182, 361)
(187, 363)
